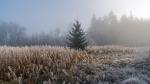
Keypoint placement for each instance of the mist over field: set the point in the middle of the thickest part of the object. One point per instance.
(106, 30)
(74, 42)
(126, 30)
(117, 22)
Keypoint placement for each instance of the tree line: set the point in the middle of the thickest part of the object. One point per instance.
(123, 30)
(106, 30)
(12, 34)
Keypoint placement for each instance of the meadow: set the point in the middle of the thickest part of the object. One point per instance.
(59, 65)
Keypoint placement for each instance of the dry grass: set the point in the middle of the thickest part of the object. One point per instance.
(111, 54)
(57, 65)
(53, 63)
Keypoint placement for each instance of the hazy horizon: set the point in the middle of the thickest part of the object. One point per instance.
(46, 15)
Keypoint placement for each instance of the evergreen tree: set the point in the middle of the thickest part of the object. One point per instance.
(77, 38)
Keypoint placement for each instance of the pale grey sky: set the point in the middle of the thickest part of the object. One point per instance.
(44, 15)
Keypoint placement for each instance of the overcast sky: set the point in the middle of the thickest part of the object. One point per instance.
(44, 15)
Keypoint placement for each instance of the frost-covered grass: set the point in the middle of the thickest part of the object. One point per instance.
(58, 65)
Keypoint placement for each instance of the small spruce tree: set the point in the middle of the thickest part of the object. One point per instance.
(77, 37)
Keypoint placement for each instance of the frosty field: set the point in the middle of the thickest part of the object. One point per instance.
(58, 65)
